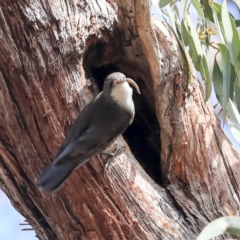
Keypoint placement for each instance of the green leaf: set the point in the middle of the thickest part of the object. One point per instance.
(235, 129)
(208, 79)
(237, 22)
(171, 18)
(218, 82)
(193, 35)
(237, 94)
(232, 81)
(236, 41)
(233, 112)
(185, 5)
(226, 23)
(228, 33)
(198, 7)
(226, 77)
(181, 42)
(228, 26)
(176, 11)
(207, 10)
(164, 3)
(197, 53)
(218, 7)
(220, 226)
(218, 21)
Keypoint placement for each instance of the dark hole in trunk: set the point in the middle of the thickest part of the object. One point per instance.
(143, 135)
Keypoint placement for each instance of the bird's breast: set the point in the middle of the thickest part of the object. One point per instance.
(122, 95)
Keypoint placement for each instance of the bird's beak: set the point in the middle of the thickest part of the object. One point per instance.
(130, 81)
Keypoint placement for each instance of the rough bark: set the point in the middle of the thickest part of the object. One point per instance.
(53, 59)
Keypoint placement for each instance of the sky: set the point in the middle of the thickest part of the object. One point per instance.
(10, 218)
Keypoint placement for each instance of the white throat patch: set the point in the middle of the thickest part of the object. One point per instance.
(122, 94)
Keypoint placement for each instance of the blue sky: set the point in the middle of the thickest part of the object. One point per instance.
(10, 220)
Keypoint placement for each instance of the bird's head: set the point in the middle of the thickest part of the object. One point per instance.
(117, 83)
(117, 86)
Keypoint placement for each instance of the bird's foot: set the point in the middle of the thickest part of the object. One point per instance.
(117, 151)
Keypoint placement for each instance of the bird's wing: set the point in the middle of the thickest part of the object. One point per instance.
(80, 125)
(83, 148)
(93, 130)
(85, 137)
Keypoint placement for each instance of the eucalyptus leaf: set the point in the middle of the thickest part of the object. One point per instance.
(236, 41)
(172, 20)
(235, 131)
(185, 5)
(198, 54)
(218, 7)
(237, 94)
(229, 224)
(233, 112)
(228, 26)
(194, 35)
(217, 81)
(218, 20)
(232, 81)
(176, 10)
(208, 78)
(198, 7)
(237, 22)
(181, 42)
(163, 3)
(207, 10)
(226, 77)
(199, 44)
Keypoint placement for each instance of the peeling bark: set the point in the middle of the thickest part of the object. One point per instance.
(53, 60)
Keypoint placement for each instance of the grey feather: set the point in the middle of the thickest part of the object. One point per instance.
(95, 128)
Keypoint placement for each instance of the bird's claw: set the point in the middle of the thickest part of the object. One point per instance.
(117, 151)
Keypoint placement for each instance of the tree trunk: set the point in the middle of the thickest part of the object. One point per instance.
(54, 57)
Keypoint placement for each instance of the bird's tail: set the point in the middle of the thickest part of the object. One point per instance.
(53, 176)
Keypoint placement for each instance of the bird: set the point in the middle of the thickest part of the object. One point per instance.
(97, 126)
